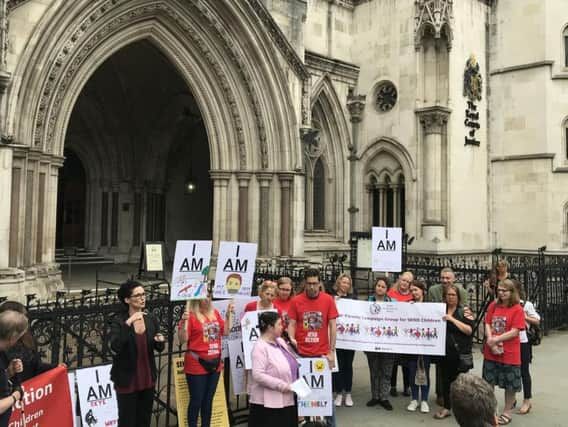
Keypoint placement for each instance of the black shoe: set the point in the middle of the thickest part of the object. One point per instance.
(373, 402)
(393, 392)
(385, 404)
(406, 392)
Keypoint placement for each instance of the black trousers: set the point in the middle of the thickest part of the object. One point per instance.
(526, 359)
(135, 409)
(260, 416)
(448, 371)
(343, 380)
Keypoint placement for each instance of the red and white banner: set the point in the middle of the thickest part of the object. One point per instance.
(46, 401)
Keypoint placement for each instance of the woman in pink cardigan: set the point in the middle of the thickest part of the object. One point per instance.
(274, 369)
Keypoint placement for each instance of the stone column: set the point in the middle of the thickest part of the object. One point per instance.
(382, 205)
(285, 215)
(5, 202)
(220, 183)
(243, 178)
(355, 105)
(433, 122)
(51, 207)
(264, 180)
(396, 204)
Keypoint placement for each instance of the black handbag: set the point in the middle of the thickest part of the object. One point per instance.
(210, 365)
(465, 362)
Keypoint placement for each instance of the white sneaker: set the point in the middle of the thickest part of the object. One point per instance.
(424, 408)
(348, 399)
(338, 399)
(413, 406)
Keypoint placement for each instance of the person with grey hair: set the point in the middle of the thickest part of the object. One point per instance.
(473, 402)
(12, 326)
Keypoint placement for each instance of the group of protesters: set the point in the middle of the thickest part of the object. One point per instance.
(304, 325)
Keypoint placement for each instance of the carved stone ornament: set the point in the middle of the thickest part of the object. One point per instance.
(386, 96)
(356, 106)
(434, 14)
(472, 80)
(311, 138)
(433, 119)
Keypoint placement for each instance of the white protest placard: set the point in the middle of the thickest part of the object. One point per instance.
(250, 332)
(387, 249)
(238, 371)
(190, 269)
(391, 327)
(71, 380)
(235, 270)
(316, 373)
(97, 397)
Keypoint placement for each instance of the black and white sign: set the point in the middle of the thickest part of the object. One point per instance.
(387, 249)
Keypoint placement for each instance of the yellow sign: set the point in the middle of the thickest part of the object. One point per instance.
(219, 415)
(154, 259)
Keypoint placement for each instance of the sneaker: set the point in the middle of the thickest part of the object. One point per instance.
(372, 402)
(348, 400)
(338, 399)
(393, 392)
(385, 404)
(424, 408)
(413, 406)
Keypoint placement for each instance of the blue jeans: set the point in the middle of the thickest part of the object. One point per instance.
(201, 391)
(423, 389)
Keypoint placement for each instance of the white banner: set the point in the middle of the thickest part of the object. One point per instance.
(316, 373)
(387, 249)
(391, 327)
(97, 397)
(235, 270)
(190, 269)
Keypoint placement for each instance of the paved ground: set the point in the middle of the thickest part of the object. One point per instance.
(550, 388)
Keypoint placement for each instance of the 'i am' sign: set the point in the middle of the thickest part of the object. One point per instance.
(235, 270)
(387, 249)
(190, 269)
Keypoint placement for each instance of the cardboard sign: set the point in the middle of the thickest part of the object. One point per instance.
(154, 257)
(46, 401)
(97, 396)
(238, 371)
(219, 413)
(190, 269)
(316, 373)
(387, 249)
(235, 270)
(391, 327)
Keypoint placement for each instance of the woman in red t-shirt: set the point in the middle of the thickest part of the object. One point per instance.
(266, 294)
(502, 354)
(202, 326)
(283, 300)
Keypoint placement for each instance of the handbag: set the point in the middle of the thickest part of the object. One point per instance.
(420, 377)
(534, 335)
(210, 365)
(465, 362)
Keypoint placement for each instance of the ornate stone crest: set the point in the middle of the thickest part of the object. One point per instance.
(472, 80)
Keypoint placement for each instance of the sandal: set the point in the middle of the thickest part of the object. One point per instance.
(504, 419)
(441, 415)
(524, 410)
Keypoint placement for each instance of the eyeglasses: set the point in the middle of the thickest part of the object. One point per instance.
(141, 295)
(503, 290)
(285, 289)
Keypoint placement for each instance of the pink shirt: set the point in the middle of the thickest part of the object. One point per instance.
(271, 376)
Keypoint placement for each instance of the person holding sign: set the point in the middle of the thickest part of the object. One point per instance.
(201, 327)
(419, 366)
(274, 369)
(312, 326)
(134, 335)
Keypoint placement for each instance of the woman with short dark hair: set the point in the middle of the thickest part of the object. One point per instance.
(134, 335)
(274, 369)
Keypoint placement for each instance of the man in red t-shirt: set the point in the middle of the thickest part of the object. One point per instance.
(312, 324)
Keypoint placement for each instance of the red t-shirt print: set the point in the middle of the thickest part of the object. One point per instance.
(312, 318)
(395, 295)
(204, 340)
(502, 320)
(283, 308)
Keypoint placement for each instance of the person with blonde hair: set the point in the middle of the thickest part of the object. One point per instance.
(266, 293)
(202, 327)
(343, 379)
(504, 320)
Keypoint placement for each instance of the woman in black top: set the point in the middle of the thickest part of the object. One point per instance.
(134, 336)
(458, 341)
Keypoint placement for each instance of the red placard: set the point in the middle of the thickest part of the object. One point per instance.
(46, 401)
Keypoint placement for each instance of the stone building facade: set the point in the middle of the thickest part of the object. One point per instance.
(290, 123)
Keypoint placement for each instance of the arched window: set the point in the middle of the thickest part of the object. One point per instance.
(387, 198)
(565, 40)
(319, 196)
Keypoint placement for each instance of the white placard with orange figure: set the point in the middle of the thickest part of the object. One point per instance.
(235, 270)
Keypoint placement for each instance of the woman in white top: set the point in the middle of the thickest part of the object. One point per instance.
(531, 318)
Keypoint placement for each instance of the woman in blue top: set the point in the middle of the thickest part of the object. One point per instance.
(380, 364)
